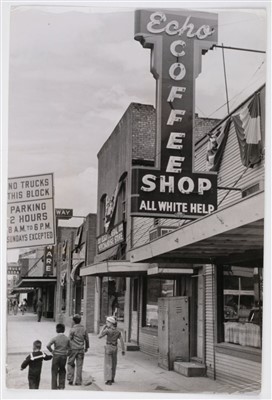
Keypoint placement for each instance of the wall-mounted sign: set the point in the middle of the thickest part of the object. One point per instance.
(48, 260)
(173, 188)
(30, 211)
(64, 213)
(110, 207)
(111, 239)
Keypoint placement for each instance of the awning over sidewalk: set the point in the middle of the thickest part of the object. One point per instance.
(232, 234)
(19, 290)
(34, 281)
(111, 268)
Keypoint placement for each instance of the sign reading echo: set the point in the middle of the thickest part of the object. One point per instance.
(172, 188)
(30, 211)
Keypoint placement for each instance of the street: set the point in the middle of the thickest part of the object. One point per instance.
(136, 371)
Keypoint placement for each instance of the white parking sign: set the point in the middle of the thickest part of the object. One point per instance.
(30, 211)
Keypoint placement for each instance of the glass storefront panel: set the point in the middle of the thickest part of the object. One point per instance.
(242, 305)
(156, 288)
(113, 298)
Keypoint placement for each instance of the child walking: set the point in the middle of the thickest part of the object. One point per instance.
(60, 352)
(34, 362)
(110, 360)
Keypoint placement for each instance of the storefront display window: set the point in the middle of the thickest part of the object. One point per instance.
(63, 290)
(113, 298)
(242, 305)
(155, 288)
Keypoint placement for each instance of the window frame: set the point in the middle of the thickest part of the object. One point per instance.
(221, 345)
(144, 302)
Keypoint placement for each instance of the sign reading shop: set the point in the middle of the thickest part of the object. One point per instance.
(173, 188)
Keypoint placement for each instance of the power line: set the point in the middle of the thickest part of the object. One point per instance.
(238, 48)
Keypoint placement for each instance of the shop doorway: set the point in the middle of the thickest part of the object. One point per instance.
(135, 307)
(197, 317)
(77, 297)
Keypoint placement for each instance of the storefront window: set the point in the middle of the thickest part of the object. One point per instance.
(242, 305)
(113, 298)
(155, 288)
(63, 298)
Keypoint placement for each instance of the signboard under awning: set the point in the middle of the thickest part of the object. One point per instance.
(30, 211)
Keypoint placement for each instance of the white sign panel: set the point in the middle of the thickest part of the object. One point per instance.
(30, 211)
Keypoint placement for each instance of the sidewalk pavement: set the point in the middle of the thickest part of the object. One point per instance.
(136, 371)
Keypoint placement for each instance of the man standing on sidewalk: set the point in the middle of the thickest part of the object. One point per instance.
(79, 344)
(39, 309)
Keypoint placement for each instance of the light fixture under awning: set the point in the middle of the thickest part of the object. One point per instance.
(75, 268)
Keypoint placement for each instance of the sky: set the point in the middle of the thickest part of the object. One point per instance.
(73, 71)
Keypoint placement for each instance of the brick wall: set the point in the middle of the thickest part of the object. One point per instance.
(203, 126)
(143, 131)
(89, 281)
(91, 238)
(88, 303)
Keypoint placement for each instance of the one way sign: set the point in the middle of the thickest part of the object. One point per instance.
(64, 213)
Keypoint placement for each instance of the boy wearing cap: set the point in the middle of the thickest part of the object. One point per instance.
(79, 344)
(110, 361)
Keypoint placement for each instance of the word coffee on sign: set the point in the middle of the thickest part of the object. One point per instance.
(177, 42)
(30, 211)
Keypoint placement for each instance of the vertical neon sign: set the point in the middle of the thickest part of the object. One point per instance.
(177, 43)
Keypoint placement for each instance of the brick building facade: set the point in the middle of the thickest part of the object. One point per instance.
(132, 142)
(76, 248)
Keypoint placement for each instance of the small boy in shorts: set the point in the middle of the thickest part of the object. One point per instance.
(34, 362)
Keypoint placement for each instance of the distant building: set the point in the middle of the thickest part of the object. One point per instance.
(52, 273)
(74, 294)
